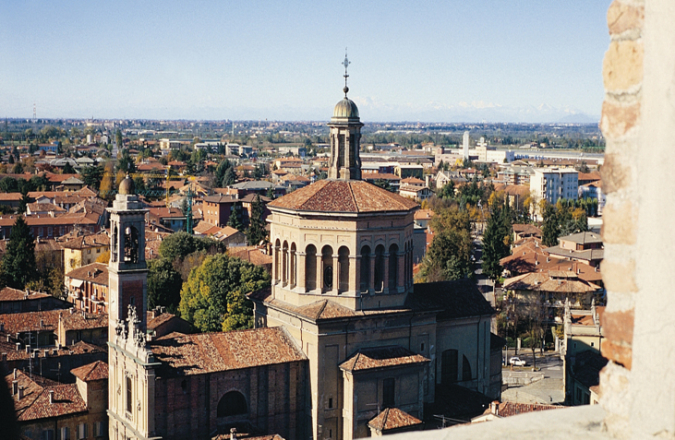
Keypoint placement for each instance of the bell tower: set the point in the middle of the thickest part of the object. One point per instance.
(127, 267)
(131, 364)
(345, 137)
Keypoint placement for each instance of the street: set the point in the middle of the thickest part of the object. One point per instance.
(547, 390)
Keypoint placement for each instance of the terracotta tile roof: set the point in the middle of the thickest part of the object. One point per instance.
(393, 418)
(10, 294)
(94, 273)
(249, 198)
(525, 228)
(508, 409)
(252, 254)
(30, 321)
(424, 214)
(155, 322)
(87, 241)
(583, 238)
(10, 197)
(44, 207)
(204, 228)
(78, 320)
(35, 404)
(379, 176)
(166, 212)
(95, 371)
(412, 181)
(382, 357)
(221, 198)
(211, 352)
(343, 196)
(529, 257)
(80, 347)
(557, 281)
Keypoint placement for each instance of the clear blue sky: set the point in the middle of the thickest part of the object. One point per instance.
(281, 59)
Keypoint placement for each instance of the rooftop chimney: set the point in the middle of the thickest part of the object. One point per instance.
(51, 396)
(16, 373)
(233, 433)
(15, 387)
(27, 348)
(20, 393)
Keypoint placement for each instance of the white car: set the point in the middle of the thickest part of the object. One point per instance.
(517, 362)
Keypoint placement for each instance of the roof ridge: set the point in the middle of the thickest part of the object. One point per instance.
(351, 191)
(323, 307)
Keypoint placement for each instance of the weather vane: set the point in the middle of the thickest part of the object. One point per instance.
(346, 63)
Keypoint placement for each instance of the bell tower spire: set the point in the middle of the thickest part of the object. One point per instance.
(345, 137)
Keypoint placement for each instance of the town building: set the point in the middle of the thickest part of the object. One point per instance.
(88, 288)
(83, 249)
(552, 184)
(342, 288)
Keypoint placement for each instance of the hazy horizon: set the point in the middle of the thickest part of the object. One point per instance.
(438, 61)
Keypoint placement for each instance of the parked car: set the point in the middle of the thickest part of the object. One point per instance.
(517, 362)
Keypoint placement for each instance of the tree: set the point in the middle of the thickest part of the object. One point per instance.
(382, 184)
(234, 220)
(164, 284)
(229, 178)
(223, 166)
(18, 264)
(550, 229)
(107, 186)
(256, 231)
(181, 244)
(118, 139)
(496, 239)
(103, 258)
(449, 255)
(213, 298)
(68, 169)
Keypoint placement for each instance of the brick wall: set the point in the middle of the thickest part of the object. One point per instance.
(620, 124)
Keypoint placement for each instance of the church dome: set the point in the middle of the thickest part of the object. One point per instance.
(127, 186)
(346, 109)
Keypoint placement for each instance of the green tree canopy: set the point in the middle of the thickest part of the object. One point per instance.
(164, 284)
(19, 265)
(449, 255)
(234, 220)
(256, 231)
(182, 244)
(213, 298)
(496, 239)
(550, 229)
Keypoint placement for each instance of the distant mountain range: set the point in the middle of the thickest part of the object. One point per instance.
(474, 112)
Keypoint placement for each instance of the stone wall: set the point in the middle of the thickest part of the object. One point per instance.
(638, 117)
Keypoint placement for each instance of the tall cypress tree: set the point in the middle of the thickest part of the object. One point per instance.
(551, 228)
(495, 240)
(256, 231)
(234, 220)
(18, 264)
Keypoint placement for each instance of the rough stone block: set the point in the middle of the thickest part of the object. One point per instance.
(619, 276)
(616, 174)
(617, 120)
(622, 67)
(619, 224)
(618, 353)
(622, 17)
(618, 326)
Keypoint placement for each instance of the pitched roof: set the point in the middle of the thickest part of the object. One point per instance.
(86, 241)
(353, 196)
(94, 273)
(508, 409)
(10, 294)
(382, 357)
(35, 404)
(552, 281)
(95, 371)
(393, 418)
(583, 238)
(211, 352)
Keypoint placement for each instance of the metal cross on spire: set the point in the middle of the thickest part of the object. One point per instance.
(346, 63)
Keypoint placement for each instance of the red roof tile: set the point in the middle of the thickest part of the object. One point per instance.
(380, 357)
(95, 371)
(211, 352)
(393, 418)
(343, 196)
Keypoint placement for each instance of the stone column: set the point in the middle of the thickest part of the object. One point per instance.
(336, 274)
(319, 273)
(385, 279)
(354, 278)
(371, 281)
(275, 263)
(401, 272)
(300, 282)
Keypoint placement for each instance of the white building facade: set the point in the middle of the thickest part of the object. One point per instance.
(554, 184)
